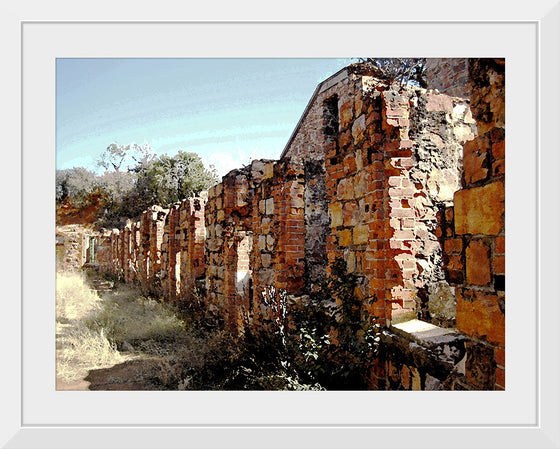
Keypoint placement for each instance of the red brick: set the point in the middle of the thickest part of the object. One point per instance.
(453, 245)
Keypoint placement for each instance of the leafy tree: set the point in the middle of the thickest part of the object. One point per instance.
(134, 179)
(168, 179)
(116, 155)
(74, 184)
(154, 180)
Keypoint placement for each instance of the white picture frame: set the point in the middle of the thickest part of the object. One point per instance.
(524, 416)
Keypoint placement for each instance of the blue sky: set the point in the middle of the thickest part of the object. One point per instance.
(229, 111)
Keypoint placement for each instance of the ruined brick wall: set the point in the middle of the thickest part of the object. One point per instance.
(228, 223)
(73, 248)
(316, 132)
(255, 237)
(278, 256)
(448, 75)
(149, 257)
(396, 159)
(373, 174)
(474, 230)
(472, 233)
(171, 254)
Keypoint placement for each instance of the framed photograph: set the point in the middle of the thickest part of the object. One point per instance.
(524, 415)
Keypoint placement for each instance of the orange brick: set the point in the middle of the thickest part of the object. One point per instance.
(499, 149)
(501, 377)
(475, 163)
(453, 245)
(499, 167)
(500, 355)
(500, 246)
(480, 210)
(478, 263)
(344, 237)
(499, 265)
(481, 315)
(454, 262)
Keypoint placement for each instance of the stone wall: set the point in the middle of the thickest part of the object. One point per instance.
(448, 75)
(474, 228)
(74, 246)
(405, 184)
(396, 160)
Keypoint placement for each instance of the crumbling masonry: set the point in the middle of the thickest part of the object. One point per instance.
(405, 184)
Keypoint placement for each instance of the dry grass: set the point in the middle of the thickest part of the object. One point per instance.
(79, 348)
(74, 299)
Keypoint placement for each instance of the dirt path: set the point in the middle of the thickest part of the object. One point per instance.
(81, 370)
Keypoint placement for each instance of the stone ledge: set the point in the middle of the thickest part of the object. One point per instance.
(431, 349)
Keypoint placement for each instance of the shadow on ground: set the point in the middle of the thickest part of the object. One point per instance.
(130, 375)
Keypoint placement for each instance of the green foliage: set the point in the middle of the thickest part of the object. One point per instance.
(174, 178)
(338, 339)
(134, 179)
(115, 156)
(328, 340)
(75, 183)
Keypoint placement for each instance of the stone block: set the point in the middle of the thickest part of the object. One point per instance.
(261, 242)
(358, 129)
(345, 139)
(481, 314)
(344, 237)
(346, 114)
(360, 234)
(500, 245)
(349, 164)
(499, 265)
(269, 206)
(349, 213)
(439, 103)
(361, 181)
(478, 263)
(270, 242)
(416, 381)
(266, 260)
(453, 245)
(480, 210)
(265, 225)
(268, 170)
(479, 366)
(475, 160)
(345, 190)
